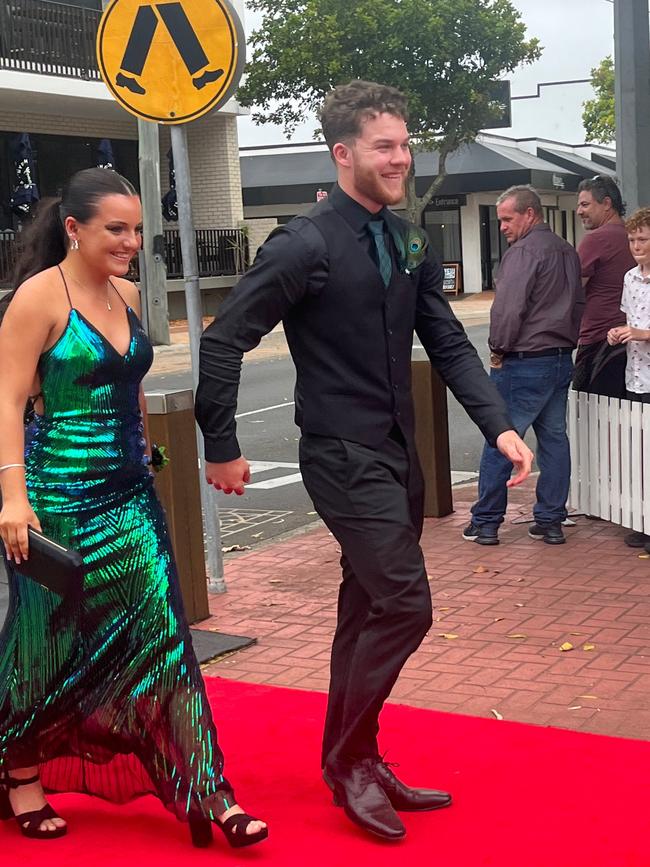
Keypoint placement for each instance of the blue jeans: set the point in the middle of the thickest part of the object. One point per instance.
(535, 392)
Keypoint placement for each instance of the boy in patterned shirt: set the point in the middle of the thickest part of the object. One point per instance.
(635, 303)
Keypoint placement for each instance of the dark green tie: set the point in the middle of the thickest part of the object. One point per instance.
(384, 262)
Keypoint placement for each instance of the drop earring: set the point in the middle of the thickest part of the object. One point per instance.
(74, 244)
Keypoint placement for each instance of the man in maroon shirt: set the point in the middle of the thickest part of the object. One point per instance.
(605, 258)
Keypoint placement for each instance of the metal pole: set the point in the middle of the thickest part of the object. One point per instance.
(144, 295)
(195, 327)
(153, 274)
(155, 300)
(632, 53)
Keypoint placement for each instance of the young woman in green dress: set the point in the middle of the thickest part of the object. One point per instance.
(103, 696)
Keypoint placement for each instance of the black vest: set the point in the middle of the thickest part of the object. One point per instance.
(351, 343)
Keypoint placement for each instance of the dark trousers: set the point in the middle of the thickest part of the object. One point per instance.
(372, 501)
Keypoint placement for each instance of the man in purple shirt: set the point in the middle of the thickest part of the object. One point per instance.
(534, 326)
(605, 258)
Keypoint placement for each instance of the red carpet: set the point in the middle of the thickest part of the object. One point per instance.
(525, 796)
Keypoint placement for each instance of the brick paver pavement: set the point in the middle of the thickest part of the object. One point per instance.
(501, 616)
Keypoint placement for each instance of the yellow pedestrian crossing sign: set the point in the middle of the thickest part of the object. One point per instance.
(171, 62)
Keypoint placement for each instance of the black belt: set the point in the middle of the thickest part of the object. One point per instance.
(540, 353)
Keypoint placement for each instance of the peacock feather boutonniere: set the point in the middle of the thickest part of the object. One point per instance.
(412, 245)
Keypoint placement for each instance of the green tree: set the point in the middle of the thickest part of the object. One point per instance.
(599, 115)
(445, 54)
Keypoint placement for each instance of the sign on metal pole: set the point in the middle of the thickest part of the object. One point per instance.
(173, 62)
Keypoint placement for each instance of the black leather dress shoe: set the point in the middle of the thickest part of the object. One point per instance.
(364, 801)
(405, 798)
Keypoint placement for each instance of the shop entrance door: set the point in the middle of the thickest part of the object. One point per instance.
(493, 245)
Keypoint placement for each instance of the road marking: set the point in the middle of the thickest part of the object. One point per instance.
(265, 409)
(263, 466)
(278, 481)
(237, 520)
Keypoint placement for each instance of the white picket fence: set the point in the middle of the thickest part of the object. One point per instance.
(610, 459)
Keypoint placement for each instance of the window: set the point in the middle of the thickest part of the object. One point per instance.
(443, 228)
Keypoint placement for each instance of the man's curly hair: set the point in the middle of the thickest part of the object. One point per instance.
(347, 107)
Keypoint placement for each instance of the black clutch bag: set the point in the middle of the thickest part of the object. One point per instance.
(55, 567)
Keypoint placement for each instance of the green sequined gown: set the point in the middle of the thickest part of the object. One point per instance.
(106, 696)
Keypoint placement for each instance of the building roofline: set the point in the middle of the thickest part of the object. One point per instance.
(321, 145)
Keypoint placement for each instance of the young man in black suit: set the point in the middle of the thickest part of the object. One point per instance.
(351, 282)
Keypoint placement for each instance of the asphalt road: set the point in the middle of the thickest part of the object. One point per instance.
(276, 501)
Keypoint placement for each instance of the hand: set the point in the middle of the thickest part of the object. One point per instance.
(14, 520)
(496, 360)
(229, 476)
(612, 336)
(625, 333)
(511, 445)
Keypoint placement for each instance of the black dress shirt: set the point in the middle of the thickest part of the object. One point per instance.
(326, 333)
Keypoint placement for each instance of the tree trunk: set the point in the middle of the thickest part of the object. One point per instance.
(415, 205)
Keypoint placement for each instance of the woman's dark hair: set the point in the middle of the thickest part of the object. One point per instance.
(347, 106)
(44, 242)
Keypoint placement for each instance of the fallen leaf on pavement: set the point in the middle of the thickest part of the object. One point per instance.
(644, 556)
(519, 604)
(576, 707)
(450, 636)
(275, 580)
(232, 548)
(496, 713)
(497, 619)
(588, 647)
(566, 646)
(443, 609)
(257, 535)
(516, 635)
(588, 696)
(479, 569)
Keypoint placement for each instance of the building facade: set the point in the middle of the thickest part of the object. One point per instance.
(461, 219)
(51, 90)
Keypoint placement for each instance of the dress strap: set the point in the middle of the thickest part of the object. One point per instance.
(65, 283)
(118, 294)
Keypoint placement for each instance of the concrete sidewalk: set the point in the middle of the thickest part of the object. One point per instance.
(502, 615)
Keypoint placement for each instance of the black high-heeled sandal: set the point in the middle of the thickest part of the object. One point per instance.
(234, 828)
(29, 823)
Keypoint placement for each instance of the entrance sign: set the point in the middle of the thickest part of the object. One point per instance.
(171, 62)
